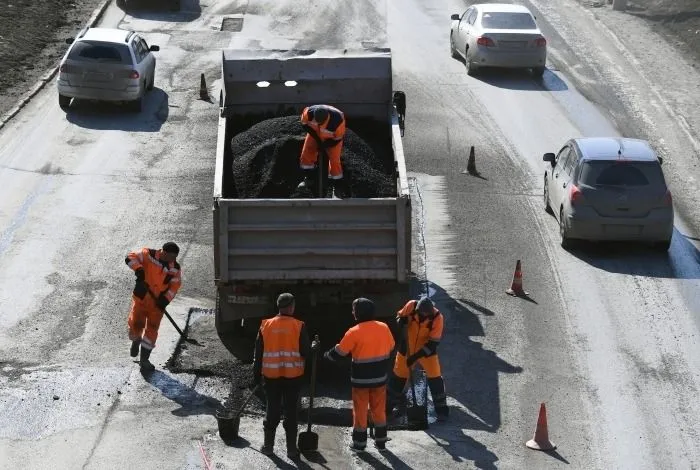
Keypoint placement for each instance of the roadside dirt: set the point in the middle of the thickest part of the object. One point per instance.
(32, 37)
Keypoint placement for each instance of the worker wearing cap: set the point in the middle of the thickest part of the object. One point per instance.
(158, 278)
(369, 344)
(325, 126)
(281, 347)
(424, 323)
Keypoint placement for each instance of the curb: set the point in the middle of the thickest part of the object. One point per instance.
(41, 83)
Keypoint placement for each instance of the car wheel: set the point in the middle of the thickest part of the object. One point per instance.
(547, 206)
(64, 101)
(538, 72)
(472, 69)
(453, 51)
(662, 246)
(135, 106)
(566, 242)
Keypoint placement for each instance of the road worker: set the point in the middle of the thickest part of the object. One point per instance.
(424, 323)
(158, 278)
(281, 347)
(325, 126)
(369, 344)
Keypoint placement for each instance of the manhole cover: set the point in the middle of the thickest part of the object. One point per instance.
(234, 25)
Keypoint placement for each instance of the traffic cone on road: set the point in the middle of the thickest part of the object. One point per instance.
(203, 91)
(540, 441)
(516, 287)
(471, 164)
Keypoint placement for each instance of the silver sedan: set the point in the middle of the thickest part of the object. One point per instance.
(498, 35)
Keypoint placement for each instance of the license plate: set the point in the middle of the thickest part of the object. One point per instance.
(98, 77)
(244, 299)
(623, 230)
(512, 44)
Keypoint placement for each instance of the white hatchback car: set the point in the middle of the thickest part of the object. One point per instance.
(106, 64)
(498, 35)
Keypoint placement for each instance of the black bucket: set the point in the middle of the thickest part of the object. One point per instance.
(228, 424)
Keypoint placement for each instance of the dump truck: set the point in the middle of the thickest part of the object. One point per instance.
(326, 251)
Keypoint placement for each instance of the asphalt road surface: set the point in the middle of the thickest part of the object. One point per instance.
(607, 339)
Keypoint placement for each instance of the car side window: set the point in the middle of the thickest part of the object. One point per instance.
(571, 163)
(563, 157)
(466, 14)
(472, 16)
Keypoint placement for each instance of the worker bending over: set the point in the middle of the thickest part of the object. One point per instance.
(424, 323)
(370, 344)
(325, 127)
(158, 278)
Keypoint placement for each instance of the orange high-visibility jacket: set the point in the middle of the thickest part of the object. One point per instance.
(333, 128)
(370, 344)
(161, 277)
(281, 352)
(424, 334)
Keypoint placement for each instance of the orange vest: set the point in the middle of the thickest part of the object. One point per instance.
(333, 128)
(281, 357)
(161, 277)
(420, 332)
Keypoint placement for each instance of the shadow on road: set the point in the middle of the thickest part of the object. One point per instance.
(162, 10)
(110, 116)
(513, 79)
(191, 402)
(682, 261)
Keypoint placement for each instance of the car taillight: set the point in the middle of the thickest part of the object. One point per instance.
(484, 41)
(668, 198)
(134, 75)
(575, 194)
(540, 42)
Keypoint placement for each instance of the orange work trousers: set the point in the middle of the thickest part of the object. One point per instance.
(309, 157)
(431, 366)
(372, 400)
(144, 315)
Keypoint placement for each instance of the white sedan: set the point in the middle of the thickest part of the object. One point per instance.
(498, 35)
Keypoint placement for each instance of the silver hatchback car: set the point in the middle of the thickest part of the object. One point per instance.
(106, 64)
(606, 188)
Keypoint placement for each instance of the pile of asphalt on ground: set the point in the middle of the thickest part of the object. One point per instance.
(265, 160)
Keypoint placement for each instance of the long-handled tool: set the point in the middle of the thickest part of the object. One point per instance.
(182, 333)
(229, 424)
(308, 441)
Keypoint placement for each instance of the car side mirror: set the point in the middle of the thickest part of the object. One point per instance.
(661, 160)
(69, 41)
(454, 17)
(549, 157)
(154, 48)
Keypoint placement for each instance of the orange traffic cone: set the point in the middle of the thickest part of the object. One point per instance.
(540, 441)
(516, 287)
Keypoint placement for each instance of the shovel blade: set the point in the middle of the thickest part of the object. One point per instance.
(308, 441)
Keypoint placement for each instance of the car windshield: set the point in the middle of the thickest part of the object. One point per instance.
(621, 173)
(100, 52)
(503, 20)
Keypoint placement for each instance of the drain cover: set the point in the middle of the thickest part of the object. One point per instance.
(234, 25)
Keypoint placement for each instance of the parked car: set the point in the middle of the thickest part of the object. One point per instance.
(607, 188)
(498, 35)
(106, 64)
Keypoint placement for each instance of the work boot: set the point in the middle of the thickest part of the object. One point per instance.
(309, 183)
(268, 448)
(292, 450)
(145, 364)
(341, 188)
(134, 351)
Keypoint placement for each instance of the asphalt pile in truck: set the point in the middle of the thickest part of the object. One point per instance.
(265, 161)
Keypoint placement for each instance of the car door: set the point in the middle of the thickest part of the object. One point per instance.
(460, 42)
(558, 179)
(149, 58)
(140, 56)
(471, 32)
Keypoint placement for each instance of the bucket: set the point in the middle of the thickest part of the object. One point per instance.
(228, 424)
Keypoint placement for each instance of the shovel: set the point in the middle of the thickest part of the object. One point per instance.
(417, 415)
(308, 441)
(228, 425)
(182, 333)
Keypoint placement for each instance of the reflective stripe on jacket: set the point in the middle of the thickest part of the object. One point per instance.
(370, 344)
(281, 355)
(161, 277)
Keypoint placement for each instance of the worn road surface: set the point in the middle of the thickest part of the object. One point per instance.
(607, 339)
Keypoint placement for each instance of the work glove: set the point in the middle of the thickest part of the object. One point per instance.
(140, 274)
(140, 289)
(413, 358)
(402, 321)
(162, 302)
(315, 345)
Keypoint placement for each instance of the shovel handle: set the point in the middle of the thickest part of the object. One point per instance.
(312, 390)
(247, 400)
(182, 333)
